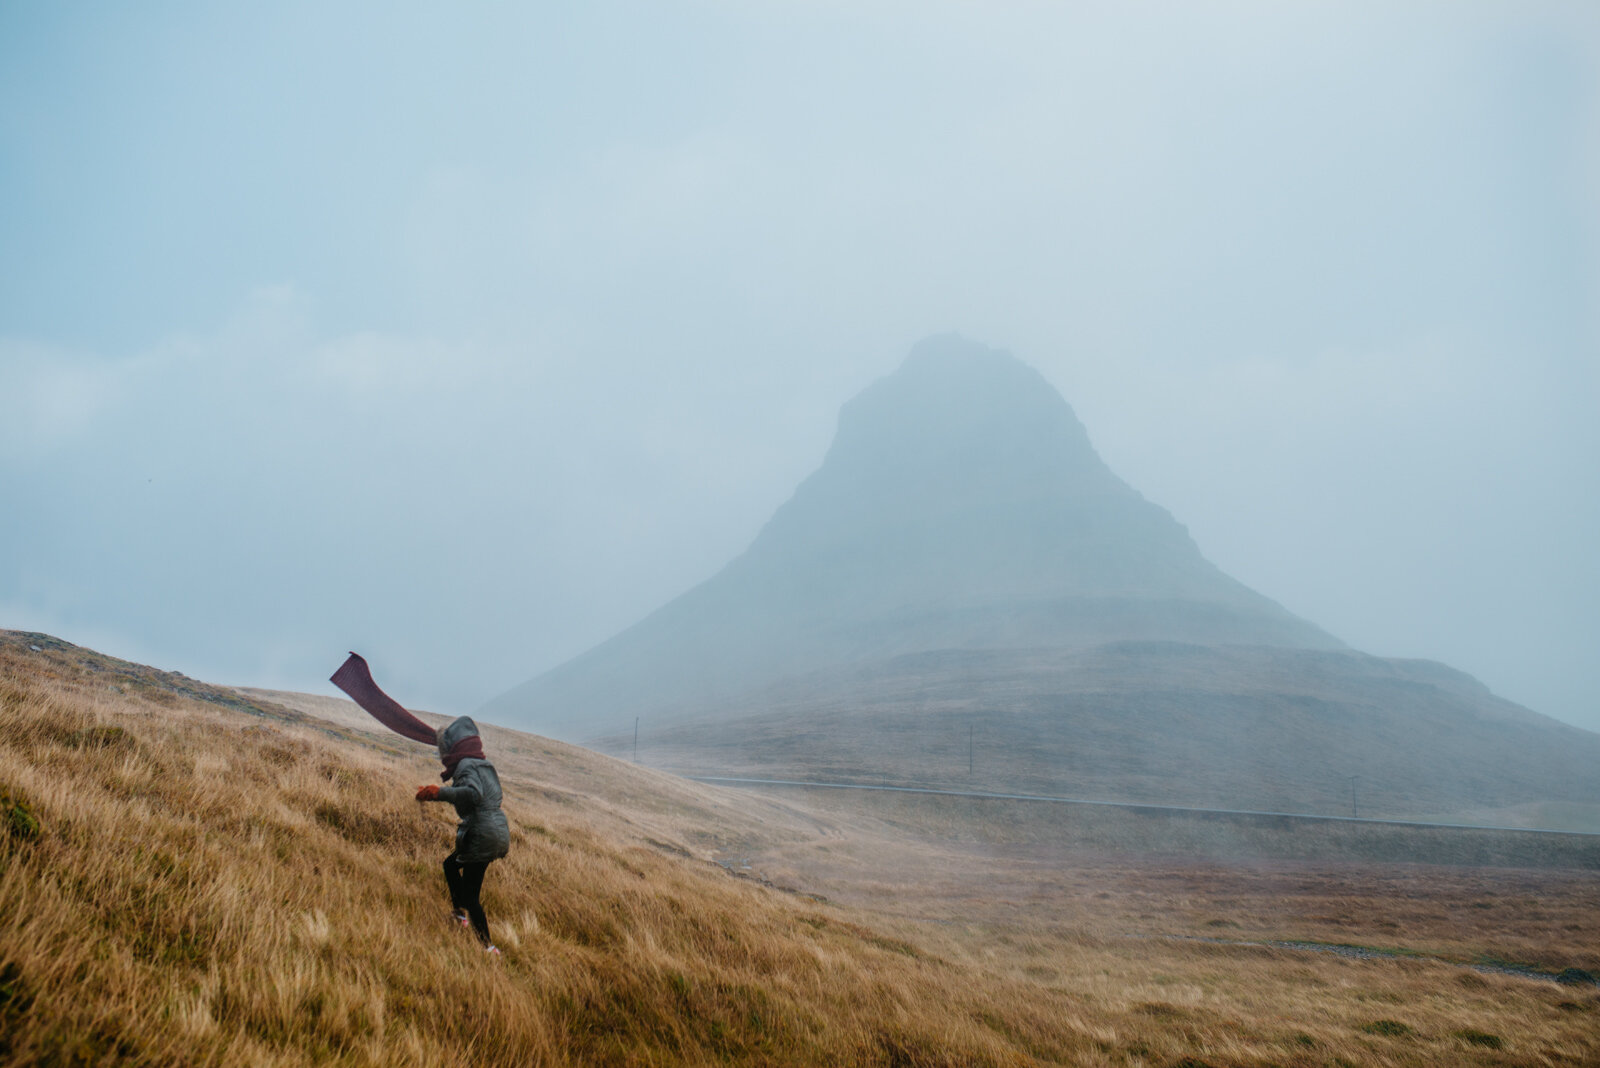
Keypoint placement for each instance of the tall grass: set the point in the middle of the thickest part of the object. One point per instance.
(187, 882)
(209, 888)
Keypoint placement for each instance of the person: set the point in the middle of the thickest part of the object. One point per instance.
(482, 835)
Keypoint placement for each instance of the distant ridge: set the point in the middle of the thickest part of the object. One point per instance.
(961, 506)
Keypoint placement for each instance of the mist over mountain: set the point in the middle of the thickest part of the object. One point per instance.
(961, 506)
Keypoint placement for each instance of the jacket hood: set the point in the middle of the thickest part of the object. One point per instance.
(457, 729)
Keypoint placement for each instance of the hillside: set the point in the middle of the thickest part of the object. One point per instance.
(196, 875)
(192, 878)
(1266, 729)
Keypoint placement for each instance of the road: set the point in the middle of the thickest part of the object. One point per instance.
(985, 796)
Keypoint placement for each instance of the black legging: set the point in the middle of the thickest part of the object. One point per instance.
(466, 880)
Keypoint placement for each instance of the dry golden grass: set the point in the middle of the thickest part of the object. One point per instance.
(209, 888)
(242, 884)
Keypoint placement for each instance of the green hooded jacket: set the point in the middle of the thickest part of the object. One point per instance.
(482, 835)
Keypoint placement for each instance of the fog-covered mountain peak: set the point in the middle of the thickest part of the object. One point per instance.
(960, 506)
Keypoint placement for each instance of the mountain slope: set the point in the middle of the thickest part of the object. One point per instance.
(1238, 727)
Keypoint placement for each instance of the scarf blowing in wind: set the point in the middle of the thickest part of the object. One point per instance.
(355, 679)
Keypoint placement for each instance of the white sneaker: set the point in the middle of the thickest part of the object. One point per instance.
(492, 951)
(460, 919)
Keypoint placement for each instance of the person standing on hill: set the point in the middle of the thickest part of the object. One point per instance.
(482, 835)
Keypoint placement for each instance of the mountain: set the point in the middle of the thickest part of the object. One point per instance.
(963, 572)
(960, 506)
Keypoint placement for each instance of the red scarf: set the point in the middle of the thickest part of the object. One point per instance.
(355, 679)
(470, 746)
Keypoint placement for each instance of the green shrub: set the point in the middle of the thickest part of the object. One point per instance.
(16, 816)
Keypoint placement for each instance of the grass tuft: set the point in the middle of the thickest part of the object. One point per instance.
(1479, 1038)
(16, 816)
(1388, 1028)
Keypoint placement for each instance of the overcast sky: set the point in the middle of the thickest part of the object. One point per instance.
(464, 335)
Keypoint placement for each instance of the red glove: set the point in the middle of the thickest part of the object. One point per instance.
(428, 793)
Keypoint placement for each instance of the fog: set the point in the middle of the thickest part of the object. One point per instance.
(466, 338)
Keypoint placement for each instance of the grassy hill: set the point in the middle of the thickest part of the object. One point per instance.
(192, 878)
(192, 875)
